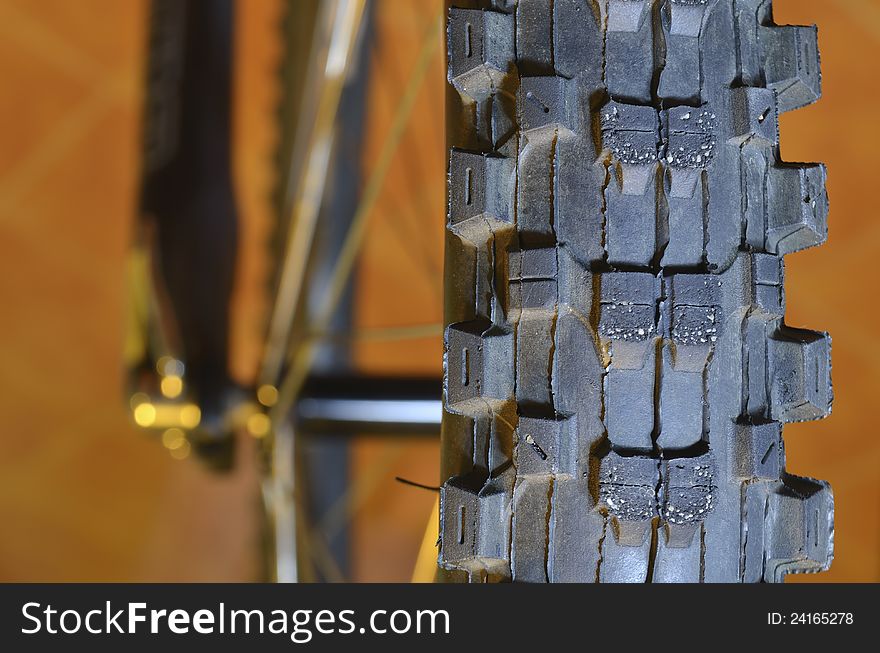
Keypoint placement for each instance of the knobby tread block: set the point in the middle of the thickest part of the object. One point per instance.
(617, 368)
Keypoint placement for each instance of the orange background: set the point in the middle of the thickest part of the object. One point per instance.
(86, 496)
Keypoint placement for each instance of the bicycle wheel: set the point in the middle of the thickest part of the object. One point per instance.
(617, 367)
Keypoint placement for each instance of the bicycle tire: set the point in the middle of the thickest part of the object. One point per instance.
(617, 368)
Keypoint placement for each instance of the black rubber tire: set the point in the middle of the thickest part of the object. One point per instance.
(617, 368)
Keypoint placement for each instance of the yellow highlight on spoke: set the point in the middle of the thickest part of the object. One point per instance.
(171, 386)
(181, 452)
(190, 416)
(137, 399)
(258, 425)
(267, 395)
(169, 366)
(145, 414)
(167, 415)
(173, 438)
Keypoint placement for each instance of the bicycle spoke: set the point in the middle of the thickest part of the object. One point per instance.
(303, 356)
(415, 244)
(382, 334)
(357, 493)
(308, 183)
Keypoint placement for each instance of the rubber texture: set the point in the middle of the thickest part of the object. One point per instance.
(617, 369)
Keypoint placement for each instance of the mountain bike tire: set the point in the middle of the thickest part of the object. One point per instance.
(617, 368)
